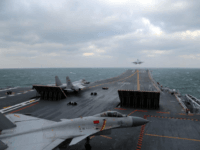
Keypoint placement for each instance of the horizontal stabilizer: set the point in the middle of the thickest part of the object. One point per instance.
(5, 123)
(78, 139)
(3, 146)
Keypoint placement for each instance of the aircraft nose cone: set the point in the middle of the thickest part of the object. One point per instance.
(138, 121)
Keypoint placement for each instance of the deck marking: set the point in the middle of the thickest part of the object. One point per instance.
(163, 112)
(153, 82)
(132, 112)
(17, 106)
(92, 137)
(6, 107)
(137, 111)
(101, 136)
(172, 137)
(9, 89)
(173, 118)
(142, 110)
(23, 108)
(112, 82)
(139, 144)
(106, 136)
(138, 81)
(120, 108)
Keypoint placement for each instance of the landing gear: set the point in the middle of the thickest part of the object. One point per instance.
(87, 144)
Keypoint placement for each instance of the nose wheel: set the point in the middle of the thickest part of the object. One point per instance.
(87, 144)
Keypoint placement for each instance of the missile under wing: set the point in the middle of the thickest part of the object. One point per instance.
(27, 132)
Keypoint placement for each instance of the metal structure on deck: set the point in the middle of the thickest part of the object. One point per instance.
(50, 92)
(194, 102)
(139, 99)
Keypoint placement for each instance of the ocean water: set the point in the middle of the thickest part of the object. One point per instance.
(187, 81)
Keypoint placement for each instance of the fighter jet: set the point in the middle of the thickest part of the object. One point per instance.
(137, 62)
(76, 86)
(71, 87)
(22, 132)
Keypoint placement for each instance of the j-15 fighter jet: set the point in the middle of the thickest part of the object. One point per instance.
(137, 62)
(22, 132)
(71, 87)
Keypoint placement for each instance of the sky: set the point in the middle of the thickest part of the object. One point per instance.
(99, 33)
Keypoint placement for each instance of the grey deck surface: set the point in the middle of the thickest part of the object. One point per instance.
(167, 129)
(9, 100)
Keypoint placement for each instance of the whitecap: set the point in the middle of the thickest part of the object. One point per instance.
(72, 73)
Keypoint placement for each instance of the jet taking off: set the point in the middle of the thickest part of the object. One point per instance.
(22, 132)
(137, 62)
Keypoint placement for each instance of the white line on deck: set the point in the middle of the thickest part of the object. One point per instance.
(3, 97)
(19, 105)
(9, 89)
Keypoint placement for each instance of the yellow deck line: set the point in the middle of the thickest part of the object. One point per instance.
(106, 136)
(172, 137)
(138, 81)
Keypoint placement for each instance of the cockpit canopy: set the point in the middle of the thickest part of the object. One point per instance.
(110, 114)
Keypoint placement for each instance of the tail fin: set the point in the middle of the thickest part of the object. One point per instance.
(69, 83)
(5, 123)
(58, 83)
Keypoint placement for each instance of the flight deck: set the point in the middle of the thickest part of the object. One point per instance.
(170, 126)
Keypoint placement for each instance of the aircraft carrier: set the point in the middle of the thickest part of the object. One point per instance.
(170, 127)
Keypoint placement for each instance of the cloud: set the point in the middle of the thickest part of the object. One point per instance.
(191, 56)
(113, 32)
(88, 54)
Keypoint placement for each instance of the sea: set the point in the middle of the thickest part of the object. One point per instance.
(186, 80)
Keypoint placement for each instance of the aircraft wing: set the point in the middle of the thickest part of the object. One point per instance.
(78, 83)
(33, 142)
(80, 138)
(37, 140)
(80, 86)
(135, 62)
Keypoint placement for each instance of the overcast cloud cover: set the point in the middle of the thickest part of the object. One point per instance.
(99, 33)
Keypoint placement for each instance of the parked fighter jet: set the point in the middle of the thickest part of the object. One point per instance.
(76, 86)
(71, 87)
(22, 132)
(137, 62)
